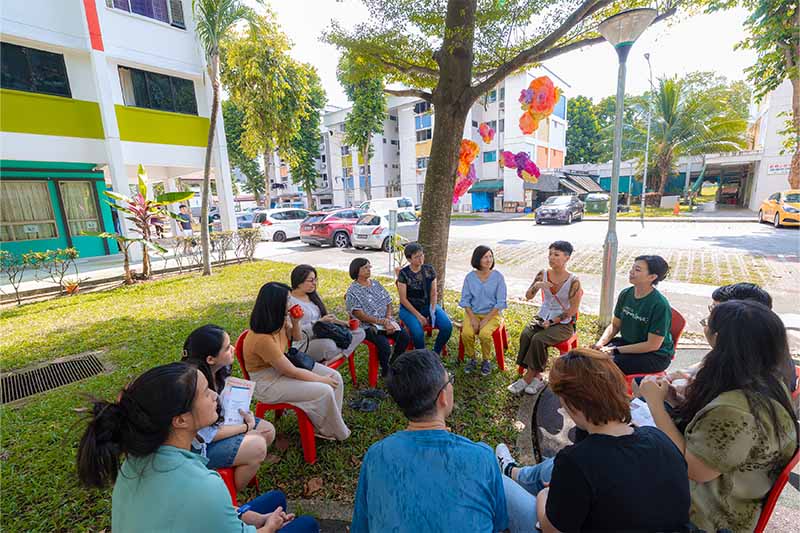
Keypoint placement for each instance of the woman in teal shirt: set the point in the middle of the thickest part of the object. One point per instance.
(163, 485)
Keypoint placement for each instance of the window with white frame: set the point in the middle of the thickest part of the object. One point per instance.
(169, 11)
(422, 162)
(32, 70)
(345, 150)
(424, 135)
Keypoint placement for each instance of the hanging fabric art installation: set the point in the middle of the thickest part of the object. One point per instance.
(526, 169)
(466, 169)
(537, 102)
(486, 132)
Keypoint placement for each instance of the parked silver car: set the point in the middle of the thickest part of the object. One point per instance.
(372, 231)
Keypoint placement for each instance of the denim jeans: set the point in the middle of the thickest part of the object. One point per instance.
(442, 323)
(269, 501)
(521, 495)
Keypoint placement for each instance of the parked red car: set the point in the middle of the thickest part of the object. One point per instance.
(329, 227)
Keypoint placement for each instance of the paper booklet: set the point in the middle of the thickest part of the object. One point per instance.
(237, 394)
(640, 413)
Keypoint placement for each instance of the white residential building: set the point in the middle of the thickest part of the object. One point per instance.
(90, 90)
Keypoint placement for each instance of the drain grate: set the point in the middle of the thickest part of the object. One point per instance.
(17, 385)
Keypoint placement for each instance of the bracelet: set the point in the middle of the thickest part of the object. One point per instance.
(246, 426)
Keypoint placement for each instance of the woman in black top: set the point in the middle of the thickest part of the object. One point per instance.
(416, 285)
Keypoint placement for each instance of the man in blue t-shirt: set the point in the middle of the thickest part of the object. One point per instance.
(426, 478)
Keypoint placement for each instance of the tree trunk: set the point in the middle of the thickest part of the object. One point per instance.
(205, 242)
(663, 165)
(367, 177)
(269, 175)
(452, 100)
(794, 169)
(146, 269)
(126, 263)
(310, 200)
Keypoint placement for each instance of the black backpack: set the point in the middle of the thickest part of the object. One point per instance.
(340, 335)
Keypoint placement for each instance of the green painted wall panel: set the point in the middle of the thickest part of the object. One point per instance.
(43, 114)
(150, 126)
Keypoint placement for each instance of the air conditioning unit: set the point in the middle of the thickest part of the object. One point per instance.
(502, 104)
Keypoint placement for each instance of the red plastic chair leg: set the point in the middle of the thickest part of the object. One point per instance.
(497, 336)
(460, 348)
(374, 364)
(307, 438)
(351, 363)
(505, 336)
(227, 477)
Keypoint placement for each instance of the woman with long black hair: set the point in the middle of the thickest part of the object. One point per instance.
(162, 485)
(241, 446)
(736, 427)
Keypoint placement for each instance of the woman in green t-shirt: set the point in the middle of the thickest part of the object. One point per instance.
(736, 427)
(642, 319)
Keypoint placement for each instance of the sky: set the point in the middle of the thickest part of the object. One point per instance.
(704, 42)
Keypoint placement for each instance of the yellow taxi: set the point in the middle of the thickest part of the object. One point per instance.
(781, 209)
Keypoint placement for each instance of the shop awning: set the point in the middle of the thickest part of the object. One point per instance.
(487, 186)
(585, 183)
(567, 184)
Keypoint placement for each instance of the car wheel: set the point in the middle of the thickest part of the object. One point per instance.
(777, 222)
(279, 236)
(386, 246)
(569, 219)
(341, 240)
(760, 216)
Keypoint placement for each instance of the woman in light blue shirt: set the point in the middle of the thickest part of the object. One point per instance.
(162, 485)
(483, 297)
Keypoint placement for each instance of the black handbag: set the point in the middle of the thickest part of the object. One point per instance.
(300, 359)
(340, 335)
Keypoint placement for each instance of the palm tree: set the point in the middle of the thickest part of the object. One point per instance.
(214, 20)
(688, 119)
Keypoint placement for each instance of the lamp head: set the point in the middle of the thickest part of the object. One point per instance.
(622, 29)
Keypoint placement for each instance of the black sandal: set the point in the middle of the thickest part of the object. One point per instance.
(364, 405)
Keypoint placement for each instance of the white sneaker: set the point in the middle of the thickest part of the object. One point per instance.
(535, 387)
(517, 387)
(504, 458)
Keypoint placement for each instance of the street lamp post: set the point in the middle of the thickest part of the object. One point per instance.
(621, 31)
(647, 140)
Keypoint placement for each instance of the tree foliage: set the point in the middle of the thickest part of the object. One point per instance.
(698, 114)
(583, 134)
(368, 113)
(305, 145)
(247, 165)
(269, 87)
(774, 35)
(450, 53)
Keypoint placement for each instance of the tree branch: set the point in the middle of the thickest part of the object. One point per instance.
(409, 69)
(413, 93)
(542, 50)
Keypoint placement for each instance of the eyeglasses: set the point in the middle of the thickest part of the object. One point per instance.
(451, 379)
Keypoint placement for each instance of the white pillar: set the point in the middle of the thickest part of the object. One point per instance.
(113, 145)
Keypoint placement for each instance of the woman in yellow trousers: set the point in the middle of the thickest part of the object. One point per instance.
(483, 297)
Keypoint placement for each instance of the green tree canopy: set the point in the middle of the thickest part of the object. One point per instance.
(368, 112)
(270, 88)
(247, 165)
(583, 134)
(305, 145)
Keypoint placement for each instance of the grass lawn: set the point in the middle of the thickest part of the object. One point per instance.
(463, 216)
(649, 212)
(145, 325)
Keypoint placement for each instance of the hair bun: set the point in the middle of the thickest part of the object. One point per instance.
(108, 420)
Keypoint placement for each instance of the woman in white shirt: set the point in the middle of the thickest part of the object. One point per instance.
(304, 293)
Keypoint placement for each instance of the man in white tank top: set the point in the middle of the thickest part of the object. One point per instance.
(555, 321)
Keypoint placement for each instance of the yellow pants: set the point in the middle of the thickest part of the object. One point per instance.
(484, 335)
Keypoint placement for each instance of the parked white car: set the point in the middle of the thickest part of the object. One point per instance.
(279, 224)
(372, 231)
(382, 206)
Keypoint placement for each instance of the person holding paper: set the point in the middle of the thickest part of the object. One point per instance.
(319, 392)
(619, 478)
(416, 285)
(736, 427)
(304, 293)
(161, 485)
(368, 301)
(242, 440)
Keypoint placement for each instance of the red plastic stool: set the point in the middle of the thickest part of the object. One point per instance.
(227, 477)
(307, 438)
(374, 362)
(500, 338)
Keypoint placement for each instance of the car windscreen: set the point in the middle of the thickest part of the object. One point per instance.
(404, 202)
(557, 200)
(369, 220)
(244, 218)
(793, 198)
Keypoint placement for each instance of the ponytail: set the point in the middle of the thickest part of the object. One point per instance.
(137, 424)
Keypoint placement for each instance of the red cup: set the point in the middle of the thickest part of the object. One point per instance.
(296, 311)
(354, 323)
